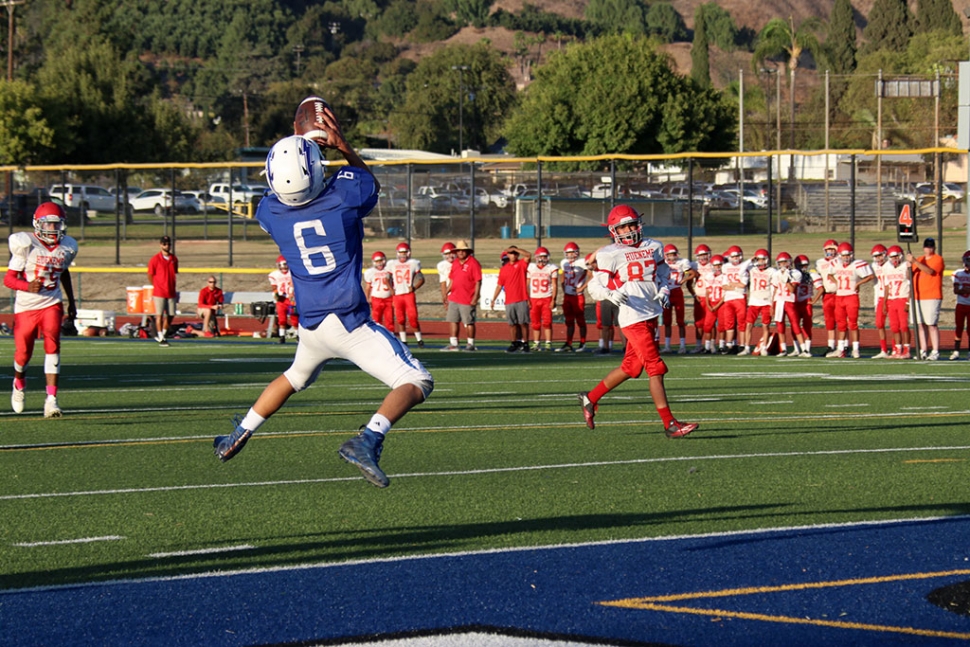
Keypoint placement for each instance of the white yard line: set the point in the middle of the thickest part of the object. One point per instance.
(203, 551)
(64, 542)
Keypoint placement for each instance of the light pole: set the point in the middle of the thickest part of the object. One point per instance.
(461, 106)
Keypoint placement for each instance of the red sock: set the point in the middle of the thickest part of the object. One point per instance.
(665, 416)
(597, 393)
(882, 345)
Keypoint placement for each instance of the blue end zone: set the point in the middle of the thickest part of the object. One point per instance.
(852, 584)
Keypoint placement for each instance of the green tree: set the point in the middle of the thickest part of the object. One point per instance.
(782, 38)
(634, 103)
(430, 119)
(839, 49)
(889, 26)
(720, 27)
(471, 12)
(937, 15)
(700, 55)
(25, 135)
(617, 16)
(664, 22)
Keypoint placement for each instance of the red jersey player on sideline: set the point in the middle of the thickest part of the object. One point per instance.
(39, 273)
(636, 266)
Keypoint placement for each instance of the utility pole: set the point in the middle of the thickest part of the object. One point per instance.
(10, 4)
(461, 106)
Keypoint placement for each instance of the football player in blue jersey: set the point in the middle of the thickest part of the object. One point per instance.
(317, 224)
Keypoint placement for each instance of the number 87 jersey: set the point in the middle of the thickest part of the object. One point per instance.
(636, 270)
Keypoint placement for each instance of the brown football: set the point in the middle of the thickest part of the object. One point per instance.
(307, 120)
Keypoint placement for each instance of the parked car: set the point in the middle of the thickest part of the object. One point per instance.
(753, 199)
(85, 197)
(160, 201)
(240, 192)
(721, 200)
(948, 190)
(201, 199)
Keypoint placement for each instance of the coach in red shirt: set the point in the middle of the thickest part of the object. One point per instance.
(466, 288)
(512, 277)
(162, 269)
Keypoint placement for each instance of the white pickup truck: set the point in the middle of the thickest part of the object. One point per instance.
(240, 192)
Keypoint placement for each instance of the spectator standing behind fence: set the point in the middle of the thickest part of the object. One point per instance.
(543, 278)
(928, 289)
(512, 278)
(379, 291)
(211, 300)
(39, 273)
(466, 290)
(408, 279)
(444, 272)
(573, 277)
(162, 269)
(282, 282)
(318, 224)
(961, 288)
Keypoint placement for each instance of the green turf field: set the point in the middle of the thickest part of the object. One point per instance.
(126, 484)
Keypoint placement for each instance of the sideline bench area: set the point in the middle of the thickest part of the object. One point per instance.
(236, 304)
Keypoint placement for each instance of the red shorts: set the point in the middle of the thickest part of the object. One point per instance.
(28, 324)
(676, 308)
(406, 310)
(898, 315)
(382, 311)
(574, 309)
(847, 312)
(828, 310)
(962, 318)
(881, 313)
(710, 321)
(803, 312)
(753, 312)
(540, 312)
(284, 312)
(641, 350)
(791, 313)
(700, 311)
(732, 314)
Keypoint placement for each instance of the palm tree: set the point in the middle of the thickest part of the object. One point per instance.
(781, 38)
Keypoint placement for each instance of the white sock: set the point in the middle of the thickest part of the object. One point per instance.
(252, 421)
(403, 336)
(379, 424)
(470, 341)
(453, 341)
(417, 335)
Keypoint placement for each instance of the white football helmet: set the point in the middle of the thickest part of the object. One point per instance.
(295, 170)
(50, 223)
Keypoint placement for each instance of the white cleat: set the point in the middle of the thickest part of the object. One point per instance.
(882, 355)
(955, 355)
(855, 353)
(805, 353)
(51, 410)
(17, 400)
(744, 351)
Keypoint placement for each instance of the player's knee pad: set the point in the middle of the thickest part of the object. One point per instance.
(52, 363)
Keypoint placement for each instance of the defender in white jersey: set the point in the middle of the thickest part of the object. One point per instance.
(632, 274)
(39, 273)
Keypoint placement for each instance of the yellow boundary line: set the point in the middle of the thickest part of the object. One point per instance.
(655, 603)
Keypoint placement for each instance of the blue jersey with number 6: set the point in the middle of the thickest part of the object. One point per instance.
(322, 242)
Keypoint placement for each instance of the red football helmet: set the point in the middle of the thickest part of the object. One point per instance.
(541, 256)
(895, 253)
(717, 261)
(846, 252)
(623, 214)
(50, 223)
(403, 248)
(281, 264)
(702, 249)
(670, 249)
(830, 248)
(878, 250)
(447, 248)
(761, 258)
(966, 258)
(801, 261)
(571, 251)
(378, 258)
(734, 252)
(783, 257)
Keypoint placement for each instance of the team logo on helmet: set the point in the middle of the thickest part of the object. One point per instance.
(294, 168)
(622, 215)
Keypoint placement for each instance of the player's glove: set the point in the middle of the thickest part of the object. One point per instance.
(616, 297)
(663, 298)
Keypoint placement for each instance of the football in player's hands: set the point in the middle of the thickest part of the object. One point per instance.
(309, 118)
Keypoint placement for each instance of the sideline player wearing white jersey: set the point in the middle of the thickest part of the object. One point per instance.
(681, 271)
(758, 279)
(542, 278)
(824, 268)
(703, 269)
(39, 272)
(318, 225)
(380, 290)
(635, 267)
(282, 284)
(849, 274)
(407, 280)
(899, 279)
(879, 267)
(573, 276)
(961, 288)
(444, 272)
